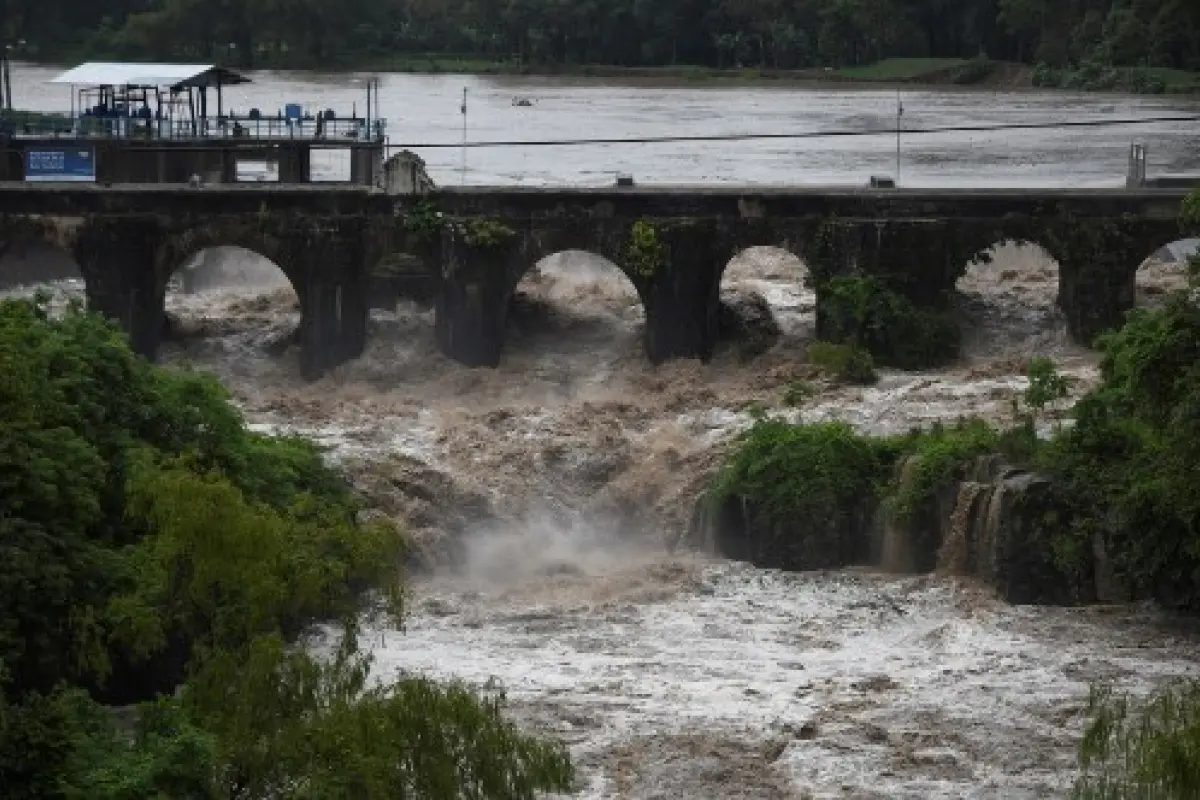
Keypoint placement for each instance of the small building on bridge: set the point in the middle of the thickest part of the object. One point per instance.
(170, 123)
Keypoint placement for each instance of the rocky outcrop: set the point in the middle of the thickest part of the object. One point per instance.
(733, 529)
(993, 522)
(435, 511)
(745, 318)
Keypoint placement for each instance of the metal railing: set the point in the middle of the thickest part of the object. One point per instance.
(310, 128)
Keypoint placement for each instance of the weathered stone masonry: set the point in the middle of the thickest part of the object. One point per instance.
(475, 245)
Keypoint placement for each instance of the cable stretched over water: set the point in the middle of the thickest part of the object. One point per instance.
(830, 134)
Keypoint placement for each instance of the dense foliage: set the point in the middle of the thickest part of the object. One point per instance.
(797, 496)
(806, 472)
(716, 33)
(1127, 467)
(863, 311)
(846, 363)
(153, 550)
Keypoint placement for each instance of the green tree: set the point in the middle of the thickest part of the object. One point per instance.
(156, 552)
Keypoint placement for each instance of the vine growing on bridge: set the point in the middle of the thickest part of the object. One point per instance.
(487, 233)
(645, 253)
(424, 221)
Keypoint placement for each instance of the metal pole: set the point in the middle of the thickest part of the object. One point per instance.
(7, 79)
(463, 177)
(899, 114)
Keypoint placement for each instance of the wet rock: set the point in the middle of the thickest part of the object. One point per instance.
(772, 751)
(732, 529)
(436, 510)
(595, 467)
(697, 767)
(992, 524)
(1010, 550)
(875, 734)
(993, 521)
(745, 317)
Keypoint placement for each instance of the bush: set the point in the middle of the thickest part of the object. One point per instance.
(844, 362)
(809, 473)
(799, 392)
(1047, 77)
(319, 726)
(1147, 83)
(863, 311)
(1128, 463)
(135, 501)
(1092, 76)
(974, 71)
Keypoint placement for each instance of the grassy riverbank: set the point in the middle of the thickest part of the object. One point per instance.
(931, 72)
(922, 72)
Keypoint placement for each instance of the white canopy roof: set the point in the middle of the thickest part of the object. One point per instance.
(107, 73)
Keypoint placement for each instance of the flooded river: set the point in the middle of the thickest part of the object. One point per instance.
(425, 109)
(543, 495)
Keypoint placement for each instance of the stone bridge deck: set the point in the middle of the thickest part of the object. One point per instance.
(673, 242)
(658, 200)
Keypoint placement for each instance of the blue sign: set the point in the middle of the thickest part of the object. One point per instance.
(68, 163)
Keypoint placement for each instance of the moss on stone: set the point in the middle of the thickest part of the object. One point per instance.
(487, 233)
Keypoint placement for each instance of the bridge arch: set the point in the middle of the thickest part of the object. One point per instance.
(1164, 272)
(765, 296)
(575, 296)
(1008, 301)
(179, 249)
(26, 264)
(36, 250)
(231, 291)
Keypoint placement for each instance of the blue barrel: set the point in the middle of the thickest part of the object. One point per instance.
(293, 111)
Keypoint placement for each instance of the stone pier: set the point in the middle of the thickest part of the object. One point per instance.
(468, 248)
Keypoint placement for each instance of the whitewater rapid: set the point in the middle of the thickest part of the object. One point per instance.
(542, 496)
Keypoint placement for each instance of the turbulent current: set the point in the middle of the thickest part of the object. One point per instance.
(545, 498)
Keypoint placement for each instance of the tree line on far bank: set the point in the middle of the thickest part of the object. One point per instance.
(632, 33)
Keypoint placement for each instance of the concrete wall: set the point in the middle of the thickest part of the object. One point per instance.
(215, 161)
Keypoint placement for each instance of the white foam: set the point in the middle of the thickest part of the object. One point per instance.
(750, 652)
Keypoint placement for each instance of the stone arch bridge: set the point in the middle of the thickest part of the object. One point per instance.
(672, 243)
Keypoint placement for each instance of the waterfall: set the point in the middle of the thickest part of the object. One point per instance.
(954, 555)
(896, 549)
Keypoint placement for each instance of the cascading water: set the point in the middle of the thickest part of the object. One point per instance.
(543, 491)
(954, 555)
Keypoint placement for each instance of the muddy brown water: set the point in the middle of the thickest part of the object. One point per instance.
(683, 675)
(422, 109)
